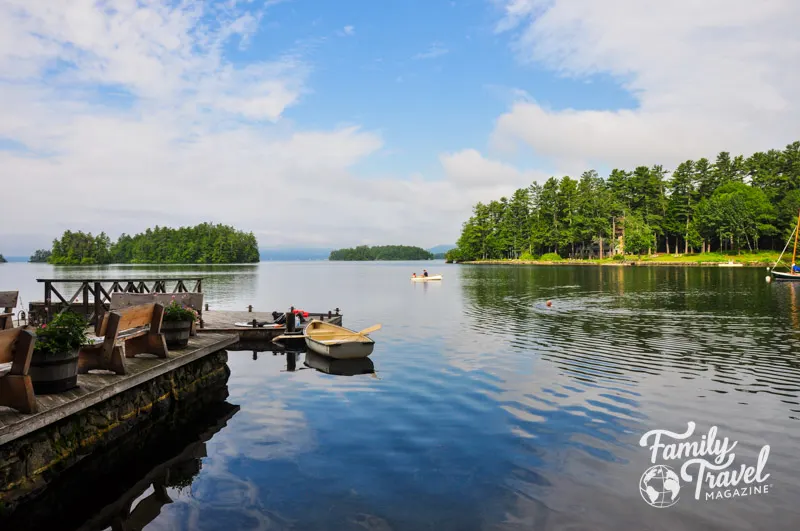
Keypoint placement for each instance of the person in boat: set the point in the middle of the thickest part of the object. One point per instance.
(424, 272)
(795, 268)
(413, 275)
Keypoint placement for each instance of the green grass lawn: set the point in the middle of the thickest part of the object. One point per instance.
(761, 257)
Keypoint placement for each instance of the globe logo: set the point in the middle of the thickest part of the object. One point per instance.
(659, 486)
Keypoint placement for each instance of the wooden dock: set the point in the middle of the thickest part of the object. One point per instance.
(95, 388)
(223, 322)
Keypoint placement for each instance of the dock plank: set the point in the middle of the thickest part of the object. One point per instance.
(95, 388)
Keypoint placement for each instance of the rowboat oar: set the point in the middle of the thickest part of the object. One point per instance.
(371, 329)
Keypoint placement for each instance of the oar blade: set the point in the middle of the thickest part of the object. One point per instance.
(371, 329)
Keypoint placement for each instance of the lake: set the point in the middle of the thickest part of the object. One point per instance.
(490, 409)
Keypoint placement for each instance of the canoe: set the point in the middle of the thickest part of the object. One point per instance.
(336, 341)
(328, 365)
(426, 279)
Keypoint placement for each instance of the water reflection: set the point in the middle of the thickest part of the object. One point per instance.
(128, 486)
(323, 364)
(625, 350)
(135, 509)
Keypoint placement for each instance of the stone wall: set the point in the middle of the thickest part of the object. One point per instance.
(29, 464)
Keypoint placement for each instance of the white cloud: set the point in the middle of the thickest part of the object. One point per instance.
(131, 116)
(349, 30)
(435, 50)
(708, 76)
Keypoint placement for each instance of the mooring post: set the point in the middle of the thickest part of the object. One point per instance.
(291, 361)
(47, 311)
(206, 306)
(290, 324)
(99, 309)
(330, 314)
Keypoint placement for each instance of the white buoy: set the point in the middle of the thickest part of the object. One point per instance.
(769, 278)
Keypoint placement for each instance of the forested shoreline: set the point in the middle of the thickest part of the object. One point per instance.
(732, 204)
(381, 252)
(202, 244)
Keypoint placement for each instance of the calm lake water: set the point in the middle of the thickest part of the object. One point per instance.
(489, 409)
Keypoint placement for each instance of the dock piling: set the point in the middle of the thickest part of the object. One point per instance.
(290, 322)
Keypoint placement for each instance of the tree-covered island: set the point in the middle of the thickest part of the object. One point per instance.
(202, 244)
(731, 205)
(382, 252)
(2, 259)
(40, 256)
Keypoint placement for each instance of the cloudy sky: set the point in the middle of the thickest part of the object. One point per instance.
(321, 123)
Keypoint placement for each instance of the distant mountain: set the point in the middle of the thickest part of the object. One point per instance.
(16, 258)
(439, 249)
(286, 254)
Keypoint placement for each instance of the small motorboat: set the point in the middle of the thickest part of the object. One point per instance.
(338, 342)
(426, 279)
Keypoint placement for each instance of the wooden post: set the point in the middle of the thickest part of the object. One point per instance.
(291, 361)
(47, 310)
(330, 314)
(86, 299)
(99, 309)
(206, 306)
(290, 324)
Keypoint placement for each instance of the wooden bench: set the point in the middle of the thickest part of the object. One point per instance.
(8, 301)
(192, 300)
(16, 387)
(124, 335)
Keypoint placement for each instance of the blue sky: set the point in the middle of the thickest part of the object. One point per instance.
(432, 76)
(366, 122)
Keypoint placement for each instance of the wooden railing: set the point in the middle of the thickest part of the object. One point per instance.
(101, 290)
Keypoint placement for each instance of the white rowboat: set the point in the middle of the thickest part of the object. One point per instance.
(336, 341)
(426, 279)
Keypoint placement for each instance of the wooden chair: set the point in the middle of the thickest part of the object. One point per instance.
(16, 387)
(124, 336)
(192, 300)
(8, 301)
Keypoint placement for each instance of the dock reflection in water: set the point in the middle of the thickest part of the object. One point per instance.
(127, 487)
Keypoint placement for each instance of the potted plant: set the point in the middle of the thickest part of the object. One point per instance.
(54, 364)
(177, 324)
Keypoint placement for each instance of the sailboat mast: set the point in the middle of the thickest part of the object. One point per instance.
(796, 231)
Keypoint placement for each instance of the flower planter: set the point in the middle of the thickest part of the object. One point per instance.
(54, 373)
(176, 333)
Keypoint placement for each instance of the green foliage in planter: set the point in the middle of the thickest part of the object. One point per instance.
(179, 312)
(65, 333)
